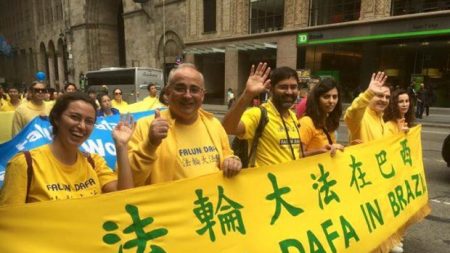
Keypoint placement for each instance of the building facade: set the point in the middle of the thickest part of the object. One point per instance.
(344, 39)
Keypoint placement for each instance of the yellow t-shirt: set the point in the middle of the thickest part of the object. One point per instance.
(8, 107)
(392, 127)
(312, 137)
(273, 146)
(122, 106)
(195, 150)
(53, 180)
(362, 122)
(148, 103)
(25, 113)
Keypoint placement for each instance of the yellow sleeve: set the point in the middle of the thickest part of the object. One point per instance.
(14, 189)
(226, 149)
(250, 119)
(17, 123)
(392, 127)
(104, 173)
(141, 153)
(354, 114)
(306, 130)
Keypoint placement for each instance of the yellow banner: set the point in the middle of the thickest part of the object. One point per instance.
(350, 203)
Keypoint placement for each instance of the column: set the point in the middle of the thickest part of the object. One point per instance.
(287, 51)
(51, 72)
(231, 70)
(61, 74)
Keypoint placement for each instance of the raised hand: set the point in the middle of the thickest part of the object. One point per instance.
(158, 129)
(124, 129)
(376, 82)
(403, 125)
(258, 80)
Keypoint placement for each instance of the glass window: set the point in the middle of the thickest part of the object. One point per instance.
(403, 7)
(209, 15)
(333, 11)
(266, 15)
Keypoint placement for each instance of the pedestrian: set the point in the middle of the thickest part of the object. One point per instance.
(428, 98)
(300, 108)
(279, 141)
(105, 106)
(152, 101)
(28, 110)
(399, 115)
(59, 170)
(321, 120)
(421, 98)
(364, 117)
(70, 87)
(230, 97)
(183, 141)
(13, 102)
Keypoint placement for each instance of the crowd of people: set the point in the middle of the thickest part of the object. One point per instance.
(185, 140)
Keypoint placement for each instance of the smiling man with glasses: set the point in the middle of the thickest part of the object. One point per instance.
(183, 141)
(32, 108)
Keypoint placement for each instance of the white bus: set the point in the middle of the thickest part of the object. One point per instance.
(132, 81)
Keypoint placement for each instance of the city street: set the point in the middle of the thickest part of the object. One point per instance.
(432, 235)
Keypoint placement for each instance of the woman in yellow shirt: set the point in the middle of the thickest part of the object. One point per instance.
(118, 101)
(59, 170)
(399, 115)
(321, 120)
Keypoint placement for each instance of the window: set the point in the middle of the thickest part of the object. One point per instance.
(333, 11)
(209, 16)
(266, 15)
(403, 7)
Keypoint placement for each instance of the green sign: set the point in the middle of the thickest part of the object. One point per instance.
(302, 38)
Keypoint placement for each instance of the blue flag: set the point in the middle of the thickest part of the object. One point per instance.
(39, 132)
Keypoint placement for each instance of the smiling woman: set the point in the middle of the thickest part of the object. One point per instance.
(58, 170)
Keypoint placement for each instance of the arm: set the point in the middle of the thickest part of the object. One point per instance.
(355, 112)
(14, 189)
(231, 164)
(17, 124)
(143, 146)
(257, 82)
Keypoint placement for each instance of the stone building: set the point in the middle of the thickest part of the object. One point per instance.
(344, 39)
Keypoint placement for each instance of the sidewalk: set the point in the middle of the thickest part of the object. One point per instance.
(439, 117)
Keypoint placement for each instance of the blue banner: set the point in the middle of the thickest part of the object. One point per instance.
(39, 132)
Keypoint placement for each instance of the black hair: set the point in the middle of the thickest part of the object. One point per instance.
(63, 102)
(70, 84)
(393, 113)
(150, 85)
(282, 73)
(100, 96)
(114, 91)
(320, 118)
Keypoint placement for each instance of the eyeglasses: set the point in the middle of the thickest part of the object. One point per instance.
(39, 90)
(117, 93)
(193, 90)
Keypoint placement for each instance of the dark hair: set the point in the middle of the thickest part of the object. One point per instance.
(393, 113)
(161, 98)
(282, 73)
(70, 84)
(100, 96)
(91, 90)
(63, 102)
(34, 84)
(320, 118)
(114, 91)
(150, 85)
